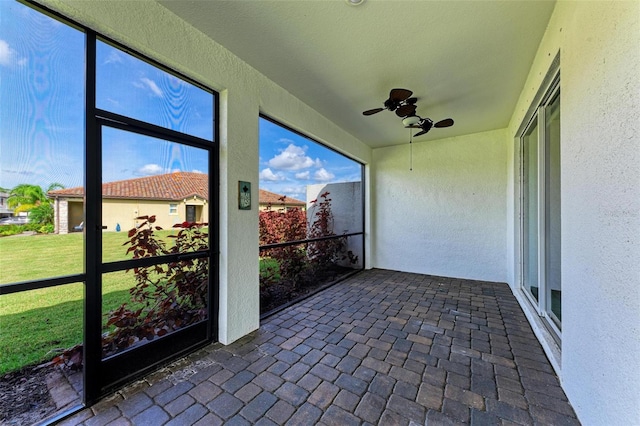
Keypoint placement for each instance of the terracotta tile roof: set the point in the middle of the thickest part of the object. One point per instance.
(267, 197)
(172, 186)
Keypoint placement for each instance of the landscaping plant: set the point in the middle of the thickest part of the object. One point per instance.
(326, 253)
(292, 268)
(166, 296)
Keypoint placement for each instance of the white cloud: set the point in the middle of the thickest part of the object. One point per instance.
(8, 56)
(323, 175)
(150, 169)
(267, 174)
(292, 158)
(299, 192)
(196, 171)
(147, 83)
(113, 102)
(303, 175)
(114, 57)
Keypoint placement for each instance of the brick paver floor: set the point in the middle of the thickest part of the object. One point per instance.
(382, 347)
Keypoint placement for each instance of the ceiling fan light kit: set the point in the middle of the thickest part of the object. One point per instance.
(411, 121)
(354, 2)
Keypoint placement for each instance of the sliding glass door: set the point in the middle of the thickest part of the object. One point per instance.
(540, 179)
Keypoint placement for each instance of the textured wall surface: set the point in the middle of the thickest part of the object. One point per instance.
(599, 44)
(347, 210)
(447, 216)
(244, 93)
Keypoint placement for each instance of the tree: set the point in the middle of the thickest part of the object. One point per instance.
(32, 198)
(25, 197)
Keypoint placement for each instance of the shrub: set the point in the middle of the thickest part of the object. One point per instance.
(7, 230)
(167, 296)
(279, 226)
(172, 295)
(42, 214)
(323, 254)
(287, 269)
(46, 229)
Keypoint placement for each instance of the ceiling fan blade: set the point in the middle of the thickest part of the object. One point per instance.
(411, 101)
(421, 133)
(399, 95)
(406, 110)
(373, 111)
(447, 122)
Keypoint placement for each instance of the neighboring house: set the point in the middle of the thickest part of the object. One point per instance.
(5, 211)
(276, 202)
(172, 198)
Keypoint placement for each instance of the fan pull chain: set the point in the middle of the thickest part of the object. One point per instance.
(410, 150)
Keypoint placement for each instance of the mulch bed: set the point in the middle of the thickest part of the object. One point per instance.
(283, 293)
(25, 397)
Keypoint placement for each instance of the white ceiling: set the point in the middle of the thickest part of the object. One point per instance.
(467, 60)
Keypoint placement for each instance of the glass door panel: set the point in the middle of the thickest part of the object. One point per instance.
(552, 211)
(131, 87)
(541, 211)
(142, 178)
(530, 210)
(155, 250)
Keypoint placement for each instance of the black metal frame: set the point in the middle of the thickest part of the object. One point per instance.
(310, 240)
(102, 376)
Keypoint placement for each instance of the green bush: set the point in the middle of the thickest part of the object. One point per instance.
(46, 229)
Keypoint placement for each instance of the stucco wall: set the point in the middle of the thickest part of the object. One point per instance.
(347, 209)
(124, 212)
(447, 216)
(599, 45)
(244, 93)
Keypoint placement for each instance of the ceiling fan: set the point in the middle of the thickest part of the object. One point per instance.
(400, 101)
(404, 105)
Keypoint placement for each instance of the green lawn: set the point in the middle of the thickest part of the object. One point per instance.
(35, 322)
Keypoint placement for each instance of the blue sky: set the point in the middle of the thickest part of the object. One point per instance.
(42, 95)
(290, 162)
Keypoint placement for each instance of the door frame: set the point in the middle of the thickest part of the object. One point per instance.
(549, 89)
(102, 376)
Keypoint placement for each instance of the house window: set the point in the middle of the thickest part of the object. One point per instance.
(173, 209)
(540, 225)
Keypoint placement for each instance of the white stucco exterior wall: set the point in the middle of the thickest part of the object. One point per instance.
(347, 210)
(152, 30)
(448, 215)
(599, 45)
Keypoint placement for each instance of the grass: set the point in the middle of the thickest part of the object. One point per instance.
(267, 265)
(33, 323)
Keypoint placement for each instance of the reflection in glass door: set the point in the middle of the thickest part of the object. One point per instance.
(541, 210)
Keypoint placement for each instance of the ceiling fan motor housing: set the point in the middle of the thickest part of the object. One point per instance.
(426, 124)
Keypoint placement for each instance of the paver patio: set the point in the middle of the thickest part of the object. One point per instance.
(382, 347)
